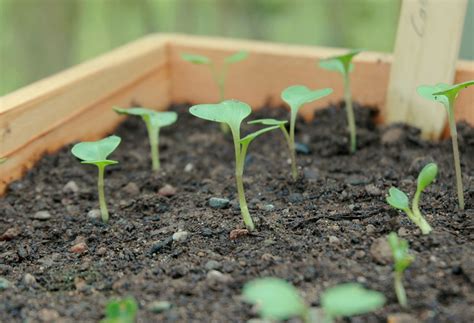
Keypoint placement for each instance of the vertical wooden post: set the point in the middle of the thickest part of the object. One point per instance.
(426, 50)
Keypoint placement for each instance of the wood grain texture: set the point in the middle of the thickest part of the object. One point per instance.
(76, 104)
(426, 51)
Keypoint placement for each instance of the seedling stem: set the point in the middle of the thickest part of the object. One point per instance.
(399, 289)
(457, 160)
(350, 113)
(100, 187)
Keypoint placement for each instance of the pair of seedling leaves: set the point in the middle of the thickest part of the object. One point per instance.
(399, 199)
(121, 311)
(277, 299)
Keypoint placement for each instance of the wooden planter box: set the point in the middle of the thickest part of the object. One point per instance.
(76, 104)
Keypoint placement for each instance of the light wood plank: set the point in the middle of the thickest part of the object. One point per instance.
(426, 51)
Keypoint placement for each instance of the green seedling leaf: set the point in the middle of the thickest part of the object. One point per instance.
(297, 95)
(231, 112)
(452, 91)
(96, 152)
(427, 92)
(154, 121)
(342, 63)
(237, 57)
(121, 311)
(400, 253)
(196, 59)
(398, 199)
(350, 299)
(155, 118)
(276, 299)
(248, 139)
(427, 176)
(268, 122)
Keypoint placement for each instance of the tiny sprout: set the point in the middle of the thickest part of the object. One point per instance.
(96, 152)
(218, 76)
(343, 64)
(121, 311)
(296, 96)
(446, 95)
(278, 300)
(232, 113)
(399, 199)
(154, 121)
(402, 260)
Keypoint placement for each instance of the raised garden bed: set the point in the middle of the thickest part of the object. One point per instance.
(322, 230)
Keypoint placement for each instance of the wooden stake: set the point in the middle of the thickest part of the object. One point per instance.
(426, 51)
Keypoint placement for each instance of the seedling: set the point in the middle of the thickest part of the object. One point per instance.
(121, 311)
(219, 76)
(343, 64)
(446, 95)
(232, 113)
(96, 153)
(154, 121)
(296, 96)
(278, 300)
(402, 260)
(399, 199)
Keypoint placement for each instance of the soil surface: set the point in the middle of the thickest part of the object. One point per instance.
(63, 265)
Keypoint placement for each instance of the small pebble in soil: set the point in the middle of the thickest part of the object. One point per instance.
(401, 318)
(268, 207)
(29, 279)
(4, 283)
(101, 251)
(212, 265)
(94, 214)
(334, 240)
(302, 148)
(392, 135)
(373, 190)
(48, 315)
(10, 234)
(357, 180)
(380, 251)
(237, 233)
(167, 190)
(218, 202)
(180, 236)
(79, 248)
(160, 245)
(158, 306)
(188, 168)
(403, 232)
(216, 279)
(42, 215)
(370, 228)
(131, 189)
(71, 187)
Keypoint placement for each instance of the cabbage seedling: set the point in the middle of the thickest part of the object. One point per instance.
(218, 76)
(446, 95)
(296, 96)
(399, 199)
(96, 153)
(232, 113)
(278, 300)
(154, 121)
(343, 64)
(402, 260)
(121, 311)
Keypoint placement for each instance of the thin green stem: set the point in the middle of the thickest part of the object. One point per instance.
(416, 217)
(294, 171)
(239, 172)
(153, 135)
(457, 160)
(100, 187)
(400, 290)
(291, 145)
(350, 114)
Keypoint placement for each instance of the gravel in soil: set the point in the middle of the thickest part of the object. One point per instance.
(168, 240)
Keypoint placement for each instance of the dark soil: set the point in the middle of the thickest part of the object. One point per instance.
(319, 233)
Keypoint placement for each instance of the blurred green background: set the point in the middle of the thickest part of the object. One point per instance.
(41, 37)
